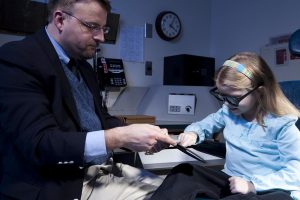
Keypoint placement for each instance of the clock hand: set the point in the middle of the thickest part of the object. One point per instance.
(172, 21)
(171, 24)
(172, 27)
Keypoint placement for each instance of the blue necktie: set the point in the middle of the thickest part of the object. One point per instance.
(73, 66)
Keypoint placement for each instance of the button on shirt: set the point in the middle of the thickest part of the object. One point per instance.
(95, 147)
(269, 157)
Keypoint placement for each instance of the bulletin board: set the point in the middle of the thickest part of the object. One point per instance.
(284, 65)
(22, 16)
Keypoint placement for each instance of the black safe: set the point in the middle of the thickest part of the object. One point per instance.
(189, 70)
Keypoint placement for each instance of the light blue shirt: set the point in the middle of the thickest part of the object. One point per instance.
(267, 156)
(95, 147)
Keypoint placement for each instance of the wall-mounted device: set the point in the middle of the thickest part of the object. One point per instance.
(111, 72)
(181, 104)
(27, 17)
(111, 78)
(189, 70)
(113, 22)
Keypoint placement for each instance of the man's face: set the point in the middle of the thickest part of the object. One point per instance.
(76, 38)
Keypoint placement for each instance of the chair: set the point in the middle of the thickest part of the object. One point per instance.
(292, 91)
(294, 43)
(292, 88)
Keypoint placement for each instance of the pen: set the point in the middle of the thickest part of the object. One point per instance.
(190, 153)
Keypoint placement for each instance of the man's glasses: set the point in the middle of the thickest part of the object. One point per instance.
(234, 101)
(94, 28)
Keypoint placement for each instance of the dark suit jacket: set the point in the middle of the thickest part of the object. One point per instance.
(42, 146)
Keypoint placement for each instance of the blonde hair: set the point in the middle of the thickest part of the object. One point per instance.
(270, 96)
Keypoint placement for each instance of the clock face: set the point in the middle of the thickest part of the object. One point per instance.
(168, 25)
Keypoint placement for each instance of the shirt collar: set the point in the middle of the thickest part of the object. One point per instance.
(59, 50)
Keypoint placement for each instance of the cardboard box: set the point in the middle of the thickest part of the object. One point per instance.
(137, 119)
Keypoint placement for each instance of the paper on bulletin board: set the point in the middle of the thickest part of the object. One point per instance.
(132, 43)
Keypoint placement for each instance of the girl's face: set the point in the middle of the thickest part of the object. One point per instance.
(246, 107)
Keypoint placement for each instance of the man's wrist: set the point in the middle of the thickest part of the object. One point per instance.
(113, 138)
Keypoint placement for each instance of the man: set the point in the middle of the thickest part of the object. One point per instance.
(53, 129)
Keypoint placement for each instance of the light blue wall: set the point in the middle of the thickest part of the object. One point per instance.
(210, 28)
(195, 37)
(248, 25)
(232, 26)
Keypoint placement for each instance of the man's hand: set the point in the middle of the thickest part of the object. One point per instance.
(137, 137)
(159, 145)
(187, 139)
(239, 185)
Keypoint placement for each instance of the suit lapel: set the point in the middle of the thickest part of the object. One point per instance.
(55, 63)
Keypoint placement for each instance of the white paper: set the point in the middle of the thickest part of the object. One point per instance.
(132, 43)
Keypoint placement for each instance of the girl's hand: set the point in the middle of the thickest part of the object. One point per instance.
(239, 185)
(187, 139)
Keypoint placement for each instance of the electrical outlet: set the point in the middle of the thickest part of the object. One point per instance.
(148, 68)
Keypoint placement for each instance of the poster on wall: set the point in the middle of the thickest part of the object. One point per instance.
(22, 16)
(281, 56)
(278, 57)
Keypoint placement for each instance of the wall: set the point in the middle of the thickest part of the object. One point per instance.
(195, 37)
(249, 24)
(284, 71)
(210, 28)
(235, 26)
(154, 101)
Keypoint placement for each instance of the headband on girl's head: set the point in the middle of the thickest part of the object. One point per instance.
(238, 67)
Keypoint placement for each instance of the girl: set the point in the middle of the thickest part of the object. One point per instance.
(262, 141)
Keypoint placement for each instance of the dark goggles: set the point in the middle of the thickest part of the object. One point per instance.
(234, 101)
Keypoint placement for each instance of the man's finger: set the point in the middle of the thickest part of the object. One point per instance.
(166, 139)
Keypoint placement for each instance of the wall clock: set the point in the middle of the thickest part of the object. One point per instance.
(168, 25)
